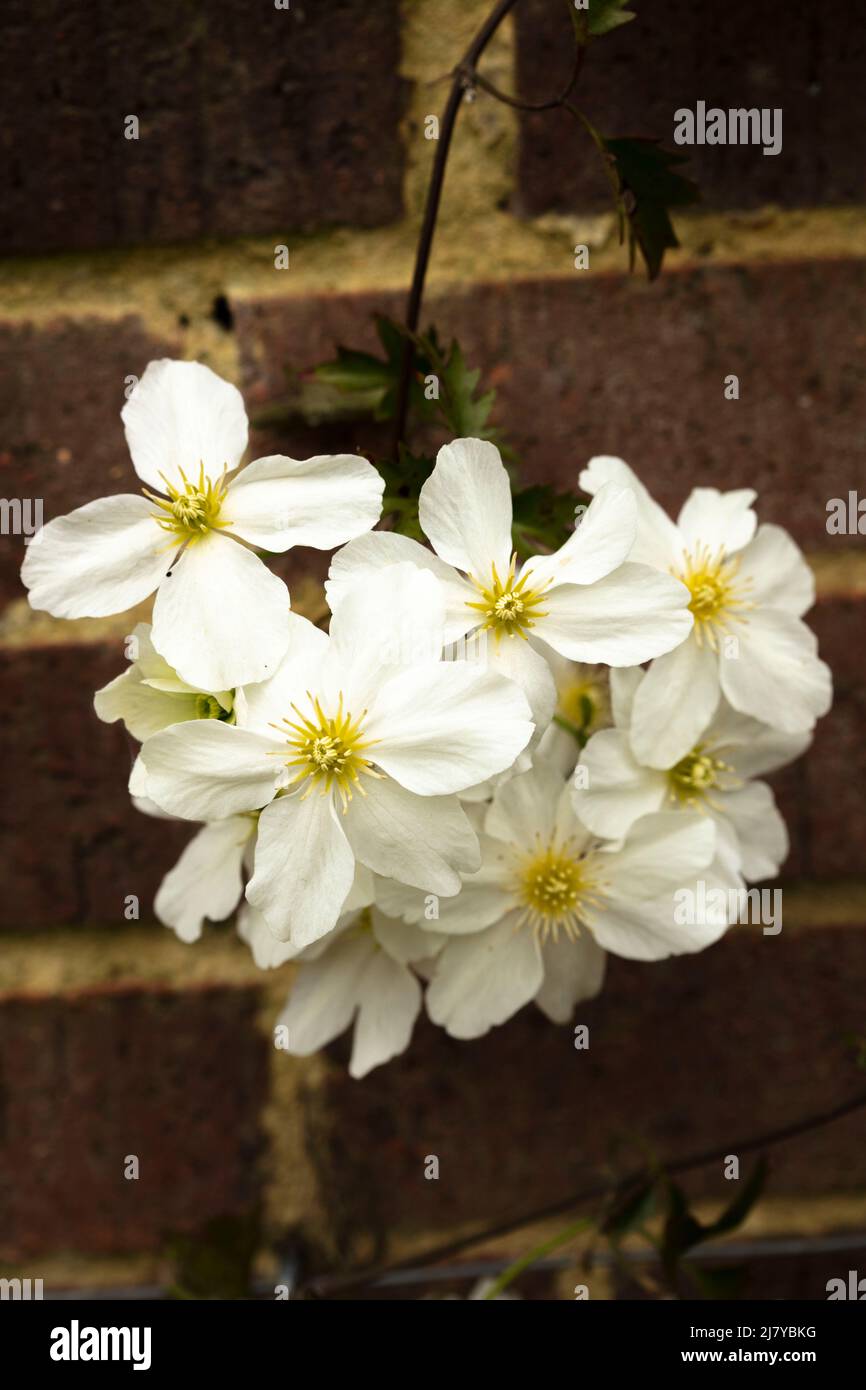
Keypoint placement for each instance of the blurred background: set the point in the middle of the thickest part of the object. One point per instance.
(259, 128)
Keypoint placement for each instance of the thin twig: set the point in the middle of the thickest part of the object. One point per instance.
(334, 1283)
(431, 208)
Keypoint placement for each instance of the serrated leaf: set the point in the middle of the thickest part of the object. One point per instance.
(466, 415)
(543, 517)
(648, 187)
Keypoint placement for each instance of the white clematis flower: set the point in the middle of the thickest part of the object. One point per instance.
(582, 601)
(748, 591)
(359, 975)
(550, 899)
(150, 696)
(715, 777)
(207, 880)
(355, 749)
(220, 617)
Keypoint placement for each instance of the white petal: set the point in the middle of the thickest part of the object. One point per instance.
(207, 770)
(634, 614)
(753, 748)
(481, 980)
(761, 831)
(440, 727)
(486, 896)
(379, 549)
(404, 942)
(573, 971)
(390, 621)
(103, 558)
(278, 502)
(324, 996)
(465, 508)
(221, 619)
(624, 684)
(268, 953)
(143, 710)
(600, 543)
(662, 852)
(649, 930)
(618, 790)
(518, 661)
(206, 880)
(776, 676)
(674, 704)
(657, 542)
(182, 415)
(777, 573)
(270, 701)
(718, 520)
(304, 867)
(422, 841)
(525, 806)
(389, 1001)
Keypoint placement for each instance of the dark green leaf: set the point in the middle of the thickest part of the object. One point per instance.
(544, 517)
(649, 187)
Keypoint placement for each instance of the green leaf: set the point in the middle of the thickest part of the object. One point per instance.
(648, 187)
(544, 517)
(374, 381)
(598, 17)
(682, 1231)
(403, 482)
(464, 414)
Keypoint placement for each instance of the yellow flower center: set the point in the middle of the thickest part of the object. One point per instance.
(508, 606)
(716, 592)
(555, 885)
(327, 750)
(188, 513)
(696, 775)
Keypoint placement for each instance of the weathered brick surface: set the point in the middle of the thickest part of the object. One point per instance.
(809, 60)
(73, 845)
(61, 393)
(253, 120)
(607, 364)
(85, 1080)
(685, 1054)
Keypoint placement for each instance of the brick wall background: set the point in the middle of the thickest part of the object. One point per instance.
(304, 127)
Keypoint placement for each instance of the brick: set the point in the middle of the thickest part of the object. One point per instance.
(61, 392)
(607, 364)
(85, 1080)
(251, 121)
(77, 845)
(684, 1055)
(808, 60)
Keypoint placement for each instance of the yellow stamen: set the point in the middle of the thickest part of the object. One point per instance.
(698, 774)
(556, 884)
(717, 593)
(327, 751)
(510, 608)
(188, 513)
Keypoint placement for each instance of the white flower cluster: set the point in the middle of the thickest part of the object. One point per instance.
(395, 803)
